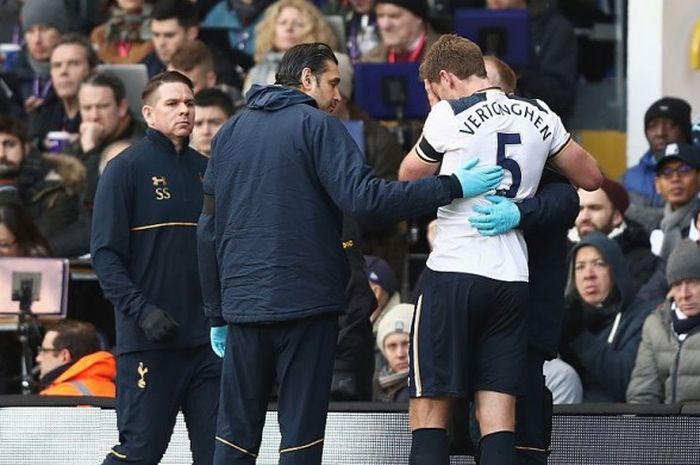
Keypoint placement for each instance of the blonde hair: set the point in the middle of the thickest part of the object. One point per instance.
(318, 31)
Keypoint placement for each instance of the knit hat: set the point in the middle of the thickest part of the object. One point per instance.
(688, 154)
(396, 320)
(684, 262)
(617, 194)
(675, 109)
(52, 13)
(379, 272)
(417, 7)
(346, 75)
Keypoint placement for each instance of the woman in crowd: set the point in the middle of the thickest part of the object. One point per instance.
(286, 23)
(604, 319)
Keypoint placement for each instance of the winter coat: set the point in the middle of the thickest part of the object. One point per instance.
(604, 353)
(667, 370)
(91, 375)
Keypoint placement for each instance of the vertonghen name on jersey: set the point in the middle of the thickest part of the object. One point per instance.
(487, 110)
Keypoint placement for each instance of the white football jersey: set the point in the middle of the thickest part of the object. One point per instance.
(519, 134)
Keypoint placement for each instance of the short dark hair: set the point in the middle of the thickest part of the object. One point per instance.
(14, 126)
(165, 77)
(79, 337)
(107, 79)
(73, 38)
(183, 10)
(314, 56)
(191, 54)
(214, 98)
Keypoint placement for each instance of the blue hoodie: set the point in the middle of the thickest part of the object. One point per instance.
(606, 352)
(639, 180)
(280, 176)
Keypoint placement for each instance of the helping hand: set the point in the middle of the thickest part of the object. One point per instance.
(217, 334)
(476, 181)
(499, 217)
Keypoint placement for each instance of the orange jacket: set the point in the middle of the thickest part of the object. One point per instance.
(92, 375)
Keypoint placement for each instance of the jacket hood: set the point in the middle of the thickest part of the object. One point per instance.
(276, 97)
(98, 365)
(610, 250)
(68, 170)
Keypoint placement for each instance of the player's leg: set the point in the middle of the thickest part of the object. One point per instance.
(500, 359)
(146, 407)
(306, 351)
(428, 419)
(534, 414)
(246, 383)
(200, 403)
(439, 363)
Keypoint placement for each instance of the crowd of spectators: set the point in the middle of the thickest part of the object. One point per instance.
(633, 293)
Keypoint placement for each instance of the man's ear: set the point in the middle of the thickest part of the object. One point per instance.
(617, 218)
(65, 355)
(306, 79)
(123, 108)
(192, 33)
(147, 113)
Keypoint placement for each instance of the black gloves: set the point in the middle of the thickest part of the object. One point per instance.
(158, 326)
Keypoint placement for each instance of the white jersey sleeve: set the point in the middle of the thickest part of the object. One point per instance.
(561, 138)
(436, 140)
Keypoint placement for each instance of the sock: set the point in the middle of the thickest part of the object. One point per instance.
(429, 447)
(498, 449)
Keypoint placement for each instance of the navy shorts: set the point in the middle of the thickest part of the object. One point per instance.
(469, 334)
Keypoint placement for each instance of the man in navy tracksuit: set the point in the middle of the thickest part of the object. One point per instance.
(272, 265)
(144, 252)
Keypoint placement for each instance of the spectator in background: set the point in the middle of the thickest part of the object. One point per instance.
(384, 154)
(361, 28)
(667, 369)
(126, 36)
(603, 319)
(43, 21)
(212, 109)
(196, 61)
(666, 121)
(72, 60)
(552, 74)
(239, 18)
(105, 119)
(71, 363)
(393, 336)
(173, 22)
(404, 30)
(53, 201)
(286, 23)
(678, 183)
(19, 236)
(604, 210)
(384, 285)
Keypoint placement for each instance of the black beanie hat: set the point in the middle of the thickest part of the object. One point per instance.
(675, 109)
(417, 7)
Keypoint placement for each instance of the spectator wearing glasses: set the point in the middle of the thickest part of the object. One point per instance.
(678, 183)
(71, 363)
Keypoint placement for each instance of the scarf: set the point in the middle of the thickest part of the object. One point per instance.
(596, 316)
(672, 225)
(388, 379)
(125, 26)
(40, 68)
(248, 11)
(684, 326)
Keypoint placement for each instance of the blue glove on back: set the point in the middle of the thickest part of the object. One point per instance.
(499, 217)
(218, 340)
(476, 181)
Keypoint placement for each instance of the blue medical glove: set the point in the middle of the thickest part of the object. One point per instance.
(499, 217)
(218, 340)
(476, 181)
